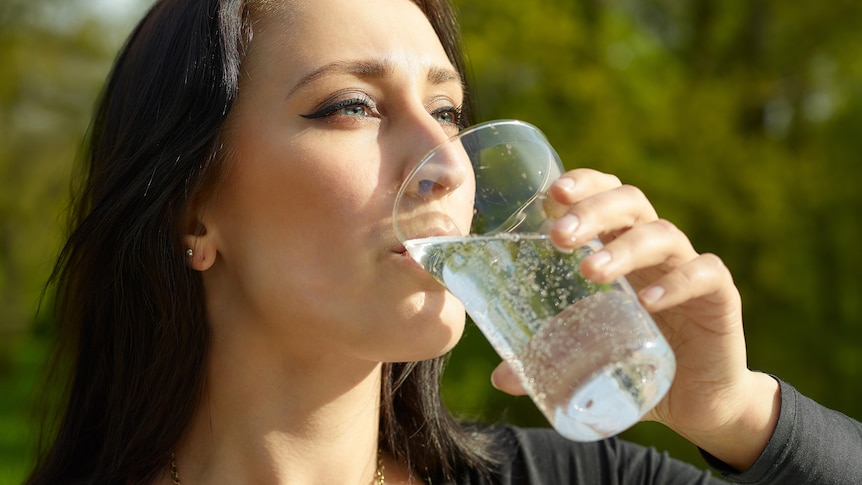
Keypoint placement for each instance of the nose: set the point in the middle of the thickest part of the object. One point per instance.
(434, 174)
(442, 172)
(437, 188)
(437, 193)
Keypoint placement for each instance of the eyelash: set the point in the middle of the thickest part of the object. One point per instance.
(333, 108)
(365, 102)
(457, 115)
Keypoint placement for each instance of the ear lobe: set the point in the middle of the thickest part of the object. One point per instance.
(199, 250)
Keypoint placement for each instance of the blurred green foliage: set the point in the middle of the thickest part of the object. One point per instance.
(738, 119)
(54, 57)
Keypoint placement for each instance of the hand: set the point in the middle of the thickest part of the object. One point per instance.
(715, 401)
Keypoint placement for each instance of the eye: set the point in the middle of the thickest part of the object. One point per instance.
(357, 107)
(449, 117)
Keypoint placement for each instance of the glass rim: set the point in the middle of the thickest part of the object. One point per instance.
(470, 130)
(465, 132)
(455, 138)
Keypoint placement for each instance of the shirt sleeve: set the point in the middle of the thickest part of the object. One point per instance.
(810, 445)
(543, 457)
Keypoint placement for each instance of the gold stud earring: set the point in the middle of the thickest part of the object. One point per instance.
(189, 252)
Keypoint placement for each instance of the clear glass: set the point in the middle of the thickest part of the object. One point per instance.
(474, 213)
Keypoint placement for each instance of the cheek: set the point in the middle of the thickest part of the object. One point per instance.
(290, 232)
(303, 176)
(298, 206)
(306, 185)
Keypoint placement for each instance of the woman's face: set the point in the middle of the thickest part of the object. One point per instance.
(339, 100)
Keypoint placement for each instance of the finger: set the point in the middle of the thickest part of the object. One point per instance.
(504, 379)
(654, 244)
(580, 183)
(606, 213)
(703, 277)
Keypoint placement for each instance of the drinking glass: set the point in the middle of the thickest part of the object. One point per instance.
(475, 214)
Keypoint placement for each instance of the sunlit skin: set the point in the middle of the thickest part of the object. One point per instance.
(308, 289)
(307, 286)
(321, 138)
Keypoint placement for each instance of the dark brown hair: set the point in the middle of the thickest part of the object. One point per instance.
(132, 331)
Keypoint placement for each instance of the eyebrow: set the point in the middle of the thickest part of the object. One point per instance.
(372, 70)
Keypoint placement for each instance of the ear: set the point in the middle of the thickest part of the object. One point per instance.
(199, 248)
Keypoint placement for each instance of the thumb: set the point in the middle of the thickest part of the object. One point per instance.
(504, 379)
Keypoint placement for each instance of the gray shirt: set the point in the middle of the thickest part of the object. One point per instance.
(810, 445)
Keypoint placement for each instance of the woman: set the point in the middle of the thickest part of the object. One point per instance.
(235, 307)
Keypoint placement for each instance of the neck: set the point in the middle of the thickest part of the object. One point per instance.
(264, 419)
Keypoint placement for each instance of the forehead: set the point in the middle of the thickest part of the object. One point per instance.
(309, 33)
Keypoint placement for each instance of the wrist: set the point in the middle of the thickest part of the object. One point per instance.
(740, 441)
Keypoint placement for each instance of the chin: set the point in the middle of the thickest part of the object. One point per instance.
(432, 334)
(456, 324)
(448, 341)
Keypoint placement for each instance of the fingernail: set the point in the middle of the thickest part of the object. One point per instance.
(652, 294)
(565, 184)
(600, 259)
(567, 225)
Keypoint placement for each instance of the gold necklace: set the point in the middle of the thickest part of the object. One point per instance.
(175, 476)
(378, 474)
